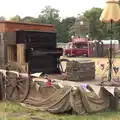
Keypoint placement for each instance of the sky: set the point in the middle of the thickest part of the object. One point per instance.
(10, 8)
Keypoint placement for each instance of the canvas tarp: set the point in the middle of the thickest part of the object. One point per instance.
(69, 96)
(64, 99)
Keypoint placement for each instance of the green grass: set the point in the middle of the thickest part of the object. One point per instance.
(14, 108)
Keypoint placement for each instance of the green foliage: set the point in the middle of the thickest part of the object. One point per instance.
(49, 15)
(81, 26)
(117, 31)
(30, 19)
(16, 18)
(64, 29)
(97, 29)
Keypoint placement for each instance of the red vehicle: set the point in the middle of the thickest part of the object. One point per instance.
(77, 47)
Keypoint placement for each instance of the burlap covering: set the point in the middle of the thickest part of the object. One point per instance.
(64, 99)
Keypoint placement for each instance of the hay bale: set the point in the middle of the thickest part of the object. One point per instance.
(80, 70)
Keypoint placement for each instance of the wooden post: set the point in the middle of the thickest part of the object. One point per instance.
(20, 54)
(21, 57)
(1, 50)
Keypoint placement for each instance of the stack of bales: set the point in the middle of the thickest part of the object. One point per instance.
(80, 70)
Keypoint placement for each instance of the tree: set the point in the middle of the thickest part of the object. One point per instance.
(81, 26)
(64, 29)
(16, 18)
(30, 19)
(50, 15)
(97, 29)
(116, 29)
(119, 2)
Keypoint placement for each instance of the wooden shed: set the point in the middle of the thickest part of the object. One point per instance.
(9, 49)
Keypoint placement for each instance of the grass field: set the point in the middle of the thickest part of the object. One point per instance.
(14, 111)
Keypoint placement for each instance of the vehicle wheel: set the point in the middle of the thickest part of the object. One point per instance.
(68, 55)
(16, 87)
(84, 55)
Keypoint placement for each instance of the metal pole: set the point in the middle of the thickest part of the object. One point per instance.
(110, 58)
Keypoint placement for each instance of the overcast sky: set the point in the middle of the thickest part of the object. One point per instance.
(9, 8)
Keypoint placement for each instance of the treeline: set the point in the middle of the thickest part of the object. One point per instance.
(97, 29)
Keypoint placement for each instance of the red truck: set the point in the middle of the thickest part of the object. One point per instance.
(77, 47)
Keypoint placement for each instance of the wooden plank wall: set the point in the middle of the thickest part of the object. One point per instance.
(17, 50)
(21, 56)
(10, 38)
(11, 53)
